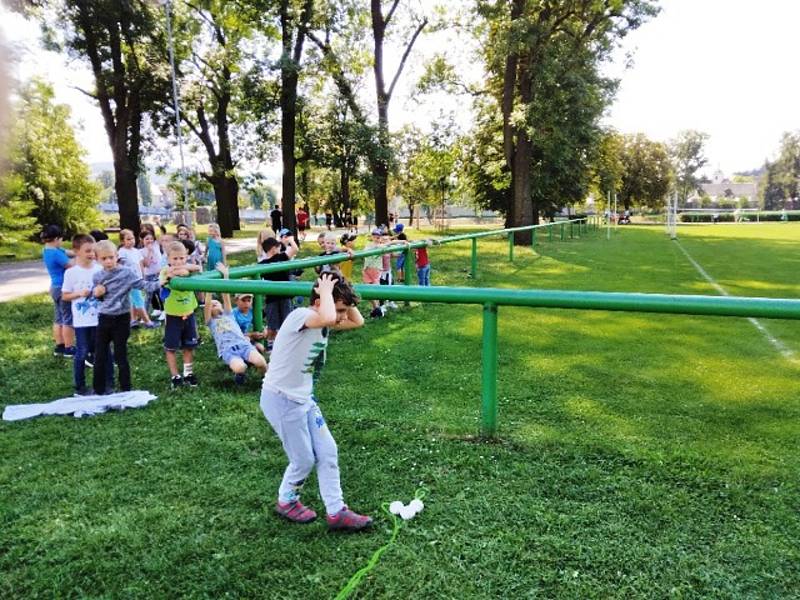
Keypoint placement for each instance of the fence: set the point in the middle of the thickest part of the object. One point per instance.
(491, 298)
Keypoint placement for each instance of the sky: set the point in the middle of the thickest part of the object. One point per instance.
(724, 67)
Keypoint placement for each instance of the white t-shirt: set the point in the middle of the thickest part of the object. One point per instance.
(84, 310)
(296, 353)
(131, 258)
(154, 267)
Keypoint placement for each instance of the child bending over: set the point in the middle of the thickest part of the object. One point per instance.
(288, 403)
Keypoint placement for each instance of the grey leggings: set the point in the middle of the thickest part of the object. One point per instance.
(307, 442)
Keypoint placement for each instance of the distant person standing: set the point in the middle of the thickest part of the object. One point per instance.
(277, 218)
(329, 220)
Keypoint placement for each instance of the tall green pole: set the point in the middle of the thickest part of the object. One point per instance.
(407, 266)
(533, 239)
(511, 247)
(258, 312)
(473, 269)
(550, 232)
(562, 231)
(489, 377)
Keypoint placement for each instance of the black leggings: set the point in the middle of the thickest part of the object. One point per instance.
(117, 329)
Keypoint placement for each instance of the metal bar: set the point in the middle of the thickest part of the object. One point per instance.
(511, 246)
(722, 306)
(562, 231)
(550, 232)
(473, 269)
(489, 372)
(533, 239)
(258, 312)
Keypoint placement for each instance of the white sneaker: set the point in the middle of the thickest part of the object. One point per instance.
(391, 305)
(162, 316)
(155, 314)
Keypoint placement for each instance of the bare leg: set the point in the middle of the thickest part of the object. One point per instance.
(172, 363)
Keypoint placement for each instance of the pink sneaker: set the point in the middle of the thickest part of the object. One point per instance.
(347, 520)
(295, 511)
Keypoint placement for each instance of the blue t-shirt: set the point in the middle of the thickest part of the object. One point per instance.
(214, 254)
(226, 333)
(245, 321)
(56, 261)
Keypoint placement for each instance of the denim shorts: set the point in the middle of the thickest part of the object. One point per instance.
(63, 310)
(180, 332)
(277, 311)
(137, 298)
(239, 350)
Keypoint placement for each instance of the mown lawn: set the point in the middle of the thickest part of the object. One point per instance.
(639, 455)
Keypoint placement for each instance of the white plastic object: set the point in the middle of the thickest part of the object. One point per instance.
(395, 507)
(407, 513)
(416, 504)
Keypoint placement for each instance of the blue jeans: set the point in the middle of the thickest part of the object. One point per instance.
(424, 275)
(84, 345)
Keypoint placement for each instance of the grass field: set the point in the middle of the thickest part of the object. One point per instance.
(639, 455)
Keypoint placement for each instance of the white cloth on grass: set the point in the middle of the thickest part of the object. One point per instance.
(79, 406)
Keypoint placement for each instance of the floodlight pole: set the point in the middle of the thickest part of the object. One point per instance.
(187, 215)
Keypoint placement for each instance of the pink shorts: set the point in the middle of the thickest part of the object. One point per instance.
(370, 276)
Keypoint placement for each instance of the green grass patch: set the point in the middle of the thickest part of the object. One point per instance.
(639, 455)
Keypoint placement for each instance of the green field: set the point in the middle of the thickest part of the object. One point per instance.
(639, 455)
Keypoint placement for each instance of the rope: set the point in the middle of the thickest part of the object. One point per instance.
(397, 523)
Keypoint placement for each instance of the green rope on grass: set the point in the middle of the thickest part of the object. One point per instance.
(397, 523)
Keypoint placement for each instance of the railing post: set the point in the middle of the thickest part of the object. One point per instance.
(550, 232)
(409, 260)
(562, 231)
(533, 238)
(489, 377)
(258, 312)
(473, 269)
(511, 246)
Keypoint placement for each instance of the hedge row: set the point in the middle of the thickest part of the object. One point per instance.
(791, 215)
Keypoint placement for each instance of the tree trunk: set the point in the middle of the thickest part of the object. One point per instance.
(226, 194)
(288, 116)
(127, 195)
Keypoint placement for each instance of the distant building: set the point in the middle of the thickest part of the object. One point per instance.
(722, 188)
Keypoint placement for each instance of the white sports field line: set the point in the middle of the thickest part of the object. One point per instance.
(779, 345)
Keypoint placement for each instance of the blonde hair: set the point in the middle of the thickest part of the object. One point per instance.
(213, 227)
(123, 233)
(105, 246)
(330, 237)
(176, 248)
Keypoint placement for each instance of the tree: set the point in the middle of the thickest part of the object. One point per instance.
(647, 172)
(214, 40)
(521, 42)
(781, 181)
(688, 158)
(294, 23)
(47, 171)
(609, 169)
(123, 44)
(349, 16)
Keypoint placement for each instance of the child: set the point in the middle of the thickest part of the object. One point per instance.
(233, 347)
(77, 290)
(386, 277)
(330, 247)
(215, 248)
(186, 234)
(243, 314)
(57, 262)
(277, 308)
(129, 256)
(151, 261)
(262, 235)
(401, 260)
(181, 329)
(287, 401)
(372, 270)
(423, 265)
(113, 285)
(348, 244)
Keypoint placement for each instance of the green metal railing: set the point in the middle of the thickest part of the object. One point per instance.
(492, 298)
